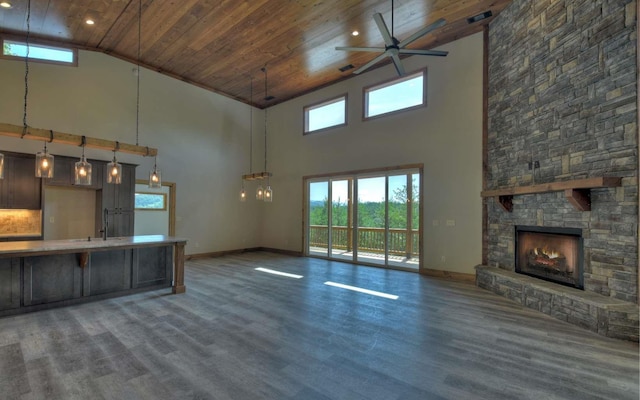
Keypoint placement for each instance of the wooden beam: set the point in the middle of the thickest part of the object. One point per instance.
(589, 183)
(46, 135)
(579, 198)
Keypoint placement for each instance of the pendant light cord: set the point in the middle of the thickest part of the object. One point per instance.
(138, 74)
(26, 71)
(264, 69)
(251, 127)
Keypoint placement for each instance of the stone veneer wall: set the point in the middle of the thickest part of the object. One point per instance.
(562, 91)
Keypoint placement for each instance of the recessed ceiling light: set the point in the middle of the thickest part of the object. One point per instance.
(90, 21)
(355, 33)
(5, 4)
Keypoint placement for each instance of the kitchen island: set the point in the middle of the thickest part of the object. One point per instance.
(41, 274)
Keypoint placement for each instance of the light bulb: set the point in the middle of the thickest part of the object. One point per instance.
(154, 177)
(45, 163)
(114, 171)
(82, 172)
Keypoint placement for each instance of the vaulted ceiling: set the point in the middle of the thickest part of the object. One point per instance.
(220, 44)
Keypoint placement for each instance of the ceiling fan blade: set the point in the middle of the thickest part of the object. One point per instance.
(384, 31)
(424, 52)
(371, 49)
(398, 64)
(422, 32)
(370, 63)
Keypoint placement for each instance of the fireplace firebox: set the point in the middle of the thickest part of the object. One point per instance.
(552, 254)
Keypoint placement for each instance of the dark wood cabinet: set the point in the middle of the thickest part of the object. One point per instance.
(20, 189)
(9, 283)
(119, 200)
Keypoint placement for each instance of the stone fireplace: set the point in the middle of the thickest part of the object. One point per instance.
(562, 107)
(552, 254)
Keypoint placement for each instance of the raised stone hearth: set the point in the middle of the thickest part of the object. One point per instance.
(604, 315)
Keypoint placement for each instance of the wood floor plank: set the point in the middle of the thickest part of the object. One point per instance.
(238, 333)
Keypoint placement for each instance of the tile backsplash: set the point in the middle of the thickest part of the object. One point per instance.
(20, 223)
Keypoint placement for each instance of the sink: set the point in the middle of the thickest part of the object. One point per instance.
(95, 239)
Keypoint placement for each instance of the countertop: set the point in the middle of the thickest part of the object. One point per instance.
(40, 247)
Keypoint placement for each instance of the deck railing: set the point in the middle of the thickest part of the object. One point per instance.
(369, 239)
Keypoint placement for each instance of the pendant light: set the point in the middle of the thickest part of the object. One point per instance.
(155, 177)
(268, 192)
(83, 168)
(44, 162)
(114, 169)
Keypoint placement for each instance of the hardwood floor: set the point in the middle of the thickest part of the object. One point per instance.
(238, 333)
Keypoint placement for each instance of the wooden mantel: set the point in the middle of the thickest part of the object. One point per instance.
(577, 192)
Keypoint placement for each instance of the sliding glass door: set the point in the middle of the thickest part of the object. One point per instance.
(370, 218)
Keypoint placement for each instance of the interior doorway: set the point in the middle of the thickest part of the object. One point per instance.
(370, 217)
(157, 220)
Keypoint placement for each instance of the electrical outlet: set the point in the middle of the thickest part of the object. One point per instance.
(451, 222)
(52, 220)
(443, 259)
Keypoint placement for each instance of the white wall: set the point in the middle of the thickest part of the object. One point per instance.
(446, 137)
(203, 144)
(152, 222)
(69, 213)
(202, 137)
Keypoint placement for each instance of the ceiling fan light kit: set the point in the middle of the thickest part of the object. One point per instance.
(393, 47)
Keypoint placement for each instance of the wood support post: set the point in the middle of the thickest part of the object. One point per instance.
(178, 271)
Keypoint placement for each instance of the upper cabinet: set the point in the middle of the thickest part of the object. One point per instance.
(20, 189)
(119, 200)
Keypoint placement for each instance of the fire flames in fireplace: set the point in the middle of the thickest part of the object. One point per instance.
(542, 257)
(553, 254)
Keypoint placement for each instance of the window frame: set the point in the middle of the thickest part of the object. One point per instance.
(164, 201)
(309, 107)
(41, 44)
(390, 82)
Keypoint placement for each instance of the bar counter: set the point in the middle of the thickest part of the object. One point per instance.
(42, 274)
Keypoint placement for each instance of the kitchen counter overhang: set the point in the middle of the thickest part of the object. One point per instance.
(45, 273)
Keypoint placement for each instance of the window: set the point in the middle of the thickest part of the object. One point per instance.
(57, 55)
(151, 201)
(328, 114)
(406, 93)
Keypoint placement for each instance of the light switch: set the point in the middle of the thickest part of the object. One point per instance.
(52, 220)
(451, 222)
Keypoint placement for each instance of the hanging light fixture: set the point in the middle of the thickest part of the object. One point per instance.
(114, 169)
(155, 177)
(243, 193)
(261, 193)
(44, 162)
(268, 192)
(83, 168)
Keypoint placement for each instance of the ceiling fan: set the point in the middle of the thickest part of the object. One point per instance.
(394, 47)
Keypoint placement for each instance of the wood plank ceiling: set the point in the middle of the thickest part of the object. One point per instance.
(220, 44)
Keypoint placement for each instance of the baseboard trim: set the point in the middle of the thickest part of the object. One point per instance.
(449, 275)
(214, 254)
(281, 251)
